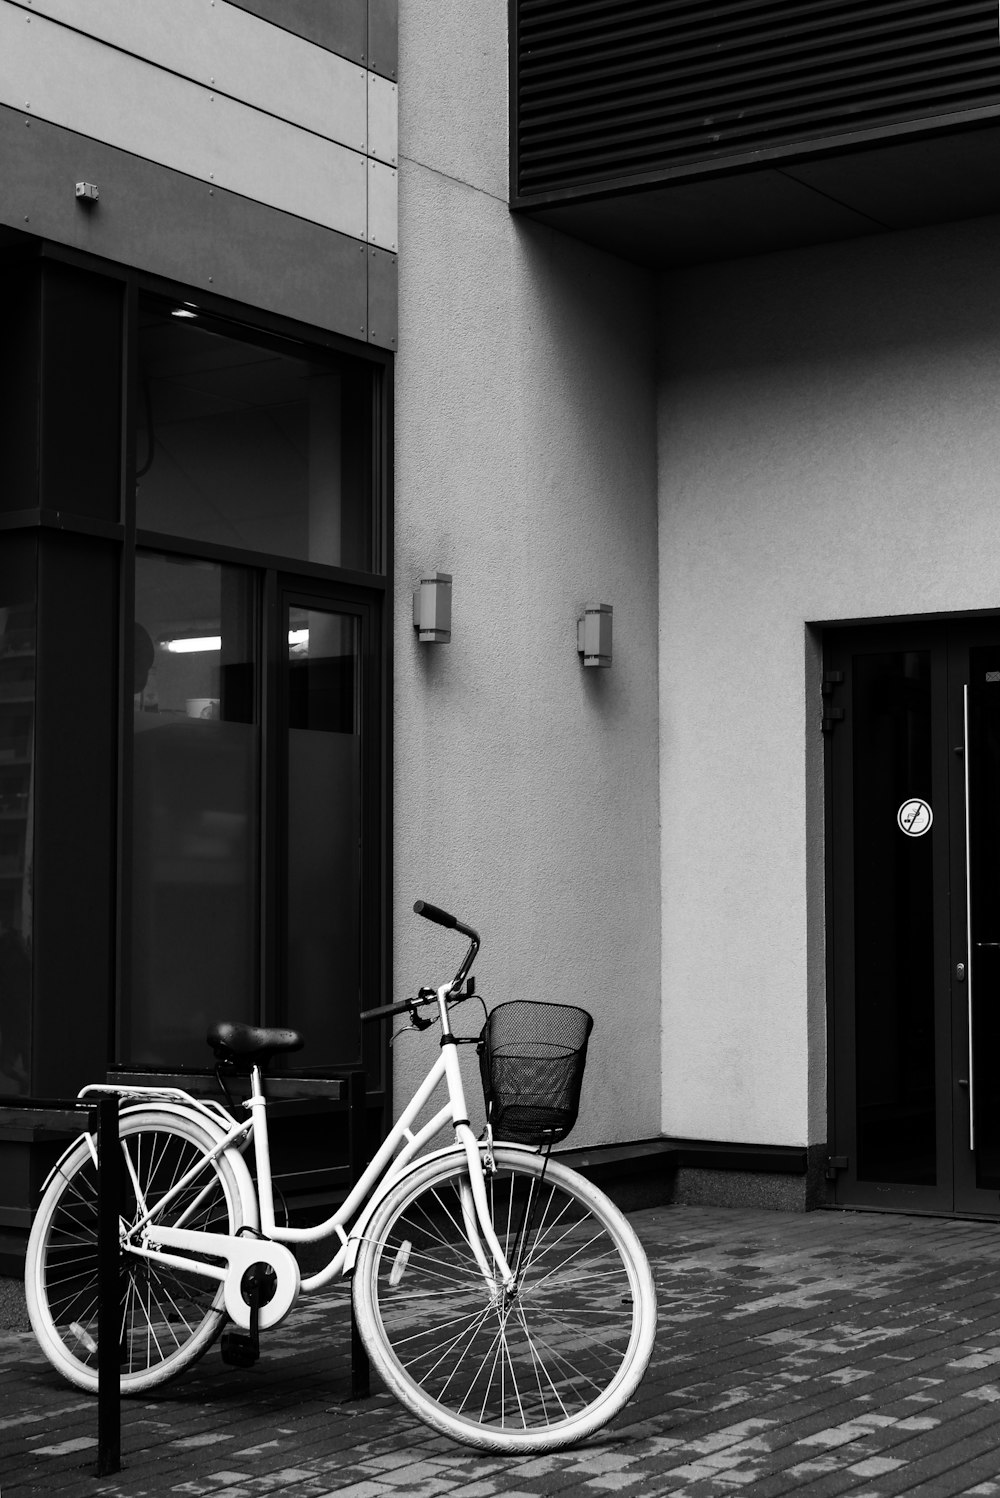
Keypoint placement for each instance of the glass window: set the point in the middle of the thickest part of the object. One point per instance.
(323, 969)
(195, 832)
(17, 712)
(252, 446)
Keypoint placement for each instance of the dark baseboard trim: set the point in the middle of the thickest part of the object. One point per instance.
(698, 1154)
(656, 1172)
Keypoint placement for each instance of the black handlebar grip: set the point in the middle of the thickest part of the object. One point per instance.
(433, 913)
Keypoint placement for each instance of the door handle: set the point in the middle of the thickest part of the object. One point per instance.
(992, 944)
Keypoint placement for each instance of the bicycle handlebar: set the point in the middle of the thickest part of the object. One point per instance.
(428, 995)
(434, 913)
(444, 918)
(385, 1010)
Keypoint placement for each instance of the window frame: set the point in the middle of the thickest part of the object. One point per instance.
(122, 537)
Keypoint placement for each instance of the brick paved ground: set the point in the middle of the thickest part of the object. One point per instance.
(823, 1354)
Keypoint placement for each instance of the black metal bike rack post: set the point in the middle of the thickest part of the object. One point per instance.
(109, 1290)
(62, 1116)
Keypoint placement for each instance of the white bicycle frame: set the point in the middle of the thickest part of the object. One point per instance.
(149, 1239)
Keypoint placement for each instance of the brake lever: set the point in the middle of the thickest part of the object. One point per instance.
(416, 1020)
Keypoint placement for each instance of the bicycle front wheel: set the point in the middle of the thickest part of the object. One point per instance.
(533, 1370)
(169, 1316)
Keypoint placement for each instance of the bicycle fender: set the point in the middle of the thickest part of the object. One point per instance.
(244, 1181)
(384, 1187)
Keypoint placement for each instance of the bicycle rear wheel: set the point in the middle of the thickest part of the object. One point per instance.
(169, 1316)
(533, 1371)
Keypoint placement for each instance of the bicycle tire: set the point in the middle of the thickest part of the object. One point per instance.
(555, 1364)
(169, 1316)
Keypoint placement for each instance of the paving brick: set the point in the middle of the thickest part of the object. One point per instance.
(812, 1354)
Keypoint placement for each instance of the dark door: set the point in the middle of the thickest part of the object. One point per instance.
(913, 836)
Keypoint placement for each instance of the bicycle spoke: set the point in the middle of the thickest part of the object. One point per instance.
(513, 1378)
(475, 1320)
(495, 1344)
(168, 1315)
(577, 1375)
(440, 1269)
(537, 1365)
(532, 1367)
(470, 1335)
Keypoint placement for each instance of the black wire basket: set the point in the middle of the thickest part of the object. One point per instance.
(531, 1056)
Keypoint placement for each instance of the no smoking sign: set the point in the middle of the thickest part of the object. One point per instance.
(914, 817)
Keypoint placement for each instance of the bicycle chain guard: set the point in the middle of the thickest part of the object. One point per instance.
(241, 1255)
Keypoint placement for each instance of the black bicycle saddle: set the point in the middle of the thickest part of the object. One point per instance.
(250, 1045)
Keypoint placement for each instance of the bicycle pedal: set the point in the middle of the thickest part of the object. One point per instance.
(238, 1350)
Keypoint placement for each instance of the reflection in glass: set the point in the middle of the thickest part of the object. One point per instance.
(323, 979)
(248, 446)
(893, 921)
(195, 808)
(17, 713)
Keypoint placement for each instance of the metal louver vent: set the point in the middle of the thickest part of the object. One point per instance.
(611, 89)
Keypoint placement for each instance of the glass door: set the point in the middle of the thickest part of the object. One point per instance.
(322, 823)
(255, 829)
(913, 834)
(975, 710)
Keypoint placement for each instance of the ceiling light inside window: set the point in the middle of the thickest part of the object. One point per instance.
(194, 645)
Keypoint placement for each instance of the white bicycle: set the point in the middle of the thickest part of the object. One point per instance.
(502, 1297)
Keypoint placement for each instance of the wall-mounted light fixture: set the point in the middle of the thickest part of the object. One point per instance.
(593, 634)
(88, 192)
(432, 608)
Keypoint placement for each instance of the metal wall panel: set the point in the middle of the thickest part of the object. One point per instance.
(382, 205)
(382, 36)
(338, 25)
(229, 51)
(383, 298)
(74, 81)
(175, 226)
(644, 89)
(383, 132)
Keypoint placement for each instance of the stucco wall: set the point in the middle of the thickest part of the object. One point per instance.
(829, 449)
(526, 787)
